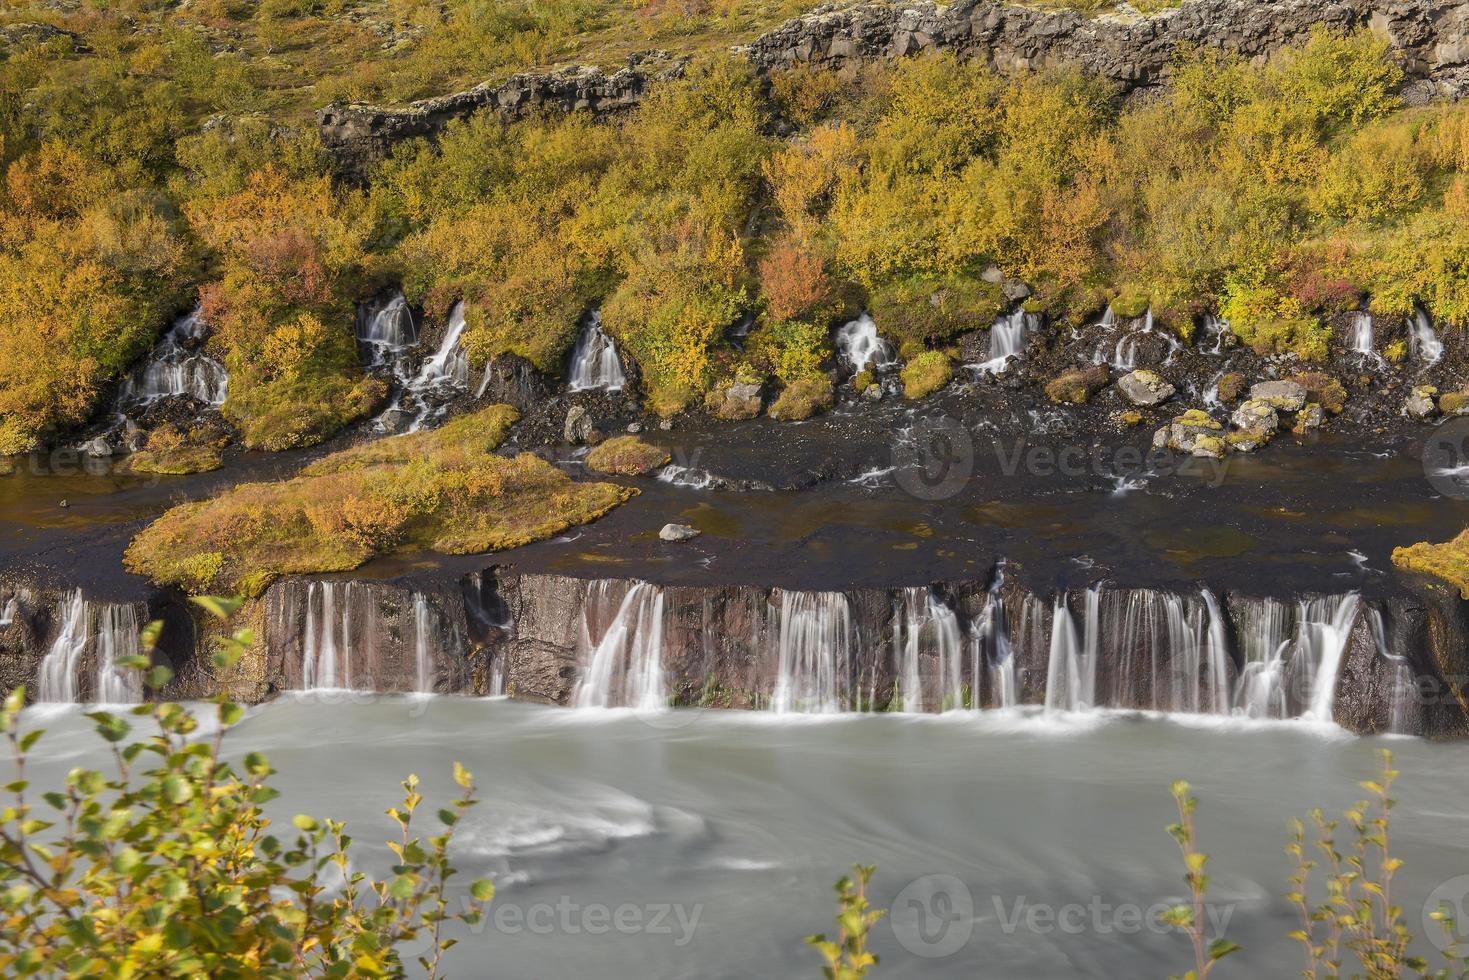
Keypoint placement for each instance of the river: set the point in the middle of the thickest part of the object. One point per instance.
(694, 843)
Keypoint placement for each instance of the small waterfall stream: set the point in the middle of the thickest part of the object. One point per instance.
(1423, 339)
(594, 361)
(622, 662)
(91, 636)
(326, 651)
(993, 655)
(178, 366)
(860, 346)
(424, 636)
(814, 642)
(441, 378)
(930, 647)
(1361, 338)
(387, 334)
(1071, 671)
(1007, 340)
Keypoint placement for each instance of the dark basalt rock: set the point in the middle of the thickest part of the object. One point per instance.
(1132, 51)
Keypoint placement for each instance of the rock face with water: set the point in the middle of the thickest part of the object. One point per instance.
(1144, 388)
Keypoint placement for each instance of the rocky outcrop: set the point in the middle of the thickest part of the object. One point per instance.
(358, 135)
(1133, 51)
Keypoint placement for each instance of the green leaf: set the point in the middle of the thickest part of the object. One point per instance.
(1221, 948)
(230, 714)
(482, 890)
(217, 606)
(126, 860)
(177, 789)
(304, 823)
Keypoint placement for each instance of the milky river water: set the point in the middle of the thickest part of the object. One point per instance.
(705, 844)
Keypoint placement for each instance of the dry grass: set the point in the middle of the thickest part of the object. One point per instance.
(1448, 561)
(442, 491)
(626, 456)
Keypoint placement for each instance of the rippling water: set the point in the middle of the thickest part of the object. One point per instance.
(716, 836)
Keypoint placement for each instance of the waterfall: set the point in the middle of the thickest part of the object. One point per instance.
(1165, 651)
(12, 609)
(1217, 652)
(178, 366)
(1423, 339)
(386, 332)
(623, 666)
(993, 656)
(594, 361)
(1265, 645)
(439, 380)
(1219, 328)
(423, 645)
(106, 632)
(326, 651)
(814, 642)
(1007, 340)
(858, 344)
(1362, 337)
(1071, 676)
(924, 615)
(1324, 630)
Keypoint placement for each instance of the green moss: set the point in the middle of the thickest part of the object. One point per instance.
(863, 380)
(1231, 386)
(803, 398)
(1448, 561)
(922, 311)
(443, 491)
(1075, 387)
(626, 456)
(1198, 419)
(1453, 402)
(925, 374)
(301, 412)
(1394, 352)
(1323, 389)
(1131, 302)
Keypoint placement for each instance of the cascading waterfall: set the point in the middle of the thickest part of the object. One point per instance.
(993, 656)
(623, 665)
(12, 609)
(104, 632)
(1292, 655)
(1423, 339)
(1007, 340)
(1071, 676)
(928, 633)
(1218, 328)
(178, 366)
(1165, 651)
(439, 380)
(814, 641)
(1324, 629)
(423, 645)
(326, 652)
(386, 333)
(1362, 337)
(861, 348)
(594, 361)
(1264, 631)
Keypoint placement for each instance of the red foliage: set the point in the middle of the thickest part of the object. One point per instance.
(793, 280)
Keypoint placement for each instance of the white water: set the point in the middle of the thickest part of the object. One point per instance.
(423, 645)
(622, 662)
(1292, 655)
(860, 346)
(1007, 340)
(931, 653)
(326, 653)
(814, 642)
(102, 631)
(685, 476)
(991, 637)
(594, 361)
(1218, 328)
(1362, 338)
(387, 333)
(439, 379)
(1423, 339)
(1071, 671)
(178, 366)
(12, 609)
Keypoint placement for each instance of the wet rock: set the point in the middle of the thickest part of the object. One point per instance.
(1309, 419)
(1420, 402)
(98, 447)
(1077, 386)
(1288, 396)
(1322, 389)
(633, 428)
(513, 380)
(872, 393)
(1185, 431)
(735, 402)
(1231, 386)
(578, 427)
(1249, 440)
(1255, 414)
(1015, 291)
(1209, 447)
(1144, 388)
(678, 533)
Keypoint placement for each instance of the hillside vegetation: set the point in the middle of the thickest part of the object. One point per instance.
(168, 157)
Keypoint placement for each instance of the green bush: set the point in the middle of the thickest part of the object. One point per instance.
(925, 374)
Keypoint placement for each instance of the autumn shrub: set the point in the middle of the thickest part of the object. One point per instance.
(803, 398)
(925, 374)
(626, 456)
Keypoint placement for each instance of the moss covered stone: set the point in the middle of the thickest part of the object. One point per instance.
(443, 491)
(1448, 561)
(925, 374)
(1322, 389)
(626, 456)
(803, 398)
(1077, 386)
(1231, 386)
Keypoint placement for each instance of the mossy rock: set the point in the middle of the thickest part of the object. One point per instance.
(1077, 386)
(1448, 561)
(1395, 352)
(925, 310)
(926, 374)
(1322, 389)
(803, 398)
(626, 456)
(863, 380)
(1231, 386)
(1454, 403)
(1198, 418)
(1131, 302)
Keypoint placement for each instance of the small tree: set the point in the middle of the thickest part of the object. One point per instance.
(847, 957)
(170, 866)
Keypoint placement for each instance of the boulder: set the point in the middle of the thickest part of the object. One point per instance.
(1309, 419)
(1185, 431)
(1454, 403)
(1420, 402)
(1322, 389)
(1254, 414)
(678, 533)
(1249, 440)
(1144, 389)
(1209, 447)
(1231, 385)
(578, 428)
(1288, 396)
(1076, 386)
(512, 380)
(734, 402)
